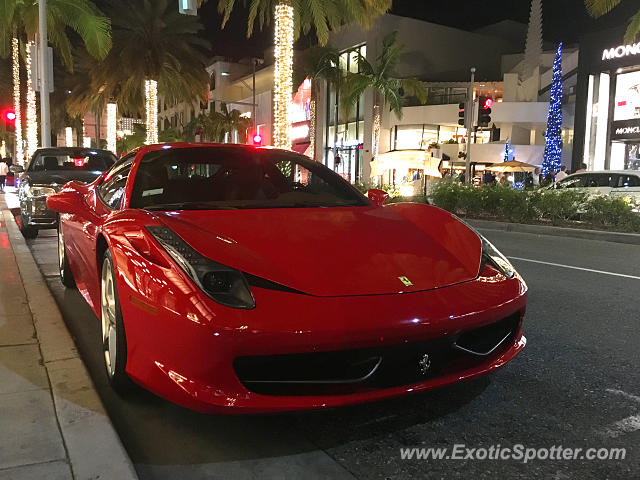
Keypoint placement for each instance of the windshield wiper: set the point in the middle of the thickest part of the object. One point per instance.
(188, 206)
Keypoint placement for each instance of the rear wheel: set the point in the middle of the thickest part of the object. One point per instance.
(66, 277)
(114, 343)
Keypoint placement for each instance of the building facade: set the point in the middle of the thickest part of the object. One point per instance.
(441, 57)
(608, 112)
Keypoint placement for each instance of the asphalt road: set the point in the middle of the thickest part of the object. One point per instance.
(577, 384)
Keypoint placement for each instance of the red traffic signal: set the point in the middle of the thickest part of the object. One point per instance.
(484, 112)
(9, 117)
(257, 139)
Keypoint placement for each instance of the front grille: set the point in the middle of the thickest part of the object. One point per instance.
(351, 371)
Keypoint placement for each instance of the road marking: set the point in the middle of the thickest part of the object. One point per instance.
(626, 425)
(626, 395)
(576, 268)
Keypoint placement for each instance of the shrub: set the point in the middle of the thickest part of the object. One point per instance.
(558, 207)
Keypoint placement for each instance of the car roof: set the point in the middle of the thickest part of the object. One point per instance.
(66, 150)
(620, 172)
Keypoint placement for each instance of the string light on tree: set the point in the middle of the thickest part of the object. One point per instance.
(17, 107)
(3, 149)
(32, 113)
(508, 151)
(376, 131)
(553, 135)
(68, 136)
(283, 75)
(151, 95)
(112, 112)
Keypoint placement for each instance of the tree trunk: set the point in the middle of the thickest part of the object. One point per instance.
(283, 74)
(17, 103)
(32, 114)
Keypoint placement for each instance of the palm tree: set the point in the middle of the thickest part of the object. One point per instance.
(382, 79)
(323, 63)
(598, 8)
(153, 47)
(293, 17)
(19, 19)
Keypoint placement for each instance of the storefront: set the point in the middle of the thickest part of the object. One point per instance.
(608, 109)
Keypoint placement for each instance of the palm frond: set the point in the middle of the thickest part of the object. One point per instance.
(598, 8)
(7, 10)
(414, 88)
(633, 30)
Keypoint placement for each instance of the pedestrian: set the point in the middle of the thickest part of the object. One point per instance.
(562, 174)
(537, 177)
(4, 170)
(528, 181)
(550, 178)
(583, 168)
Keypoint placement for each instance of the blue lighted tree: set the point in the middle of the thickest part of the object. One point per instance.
(553, 135)
(507, 155)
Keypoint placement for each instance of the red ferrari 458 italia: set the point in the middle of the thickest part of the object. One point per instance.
(239, 279)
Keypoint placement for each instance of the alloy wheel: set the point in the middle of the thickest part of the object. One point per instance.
(108, 310)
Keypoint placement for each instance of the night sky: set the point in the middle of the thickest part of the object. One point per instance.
(564, 20)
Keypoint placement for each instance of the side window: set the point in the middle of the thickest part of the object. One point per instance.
(626, 181)
(602, 180)
(112, 189)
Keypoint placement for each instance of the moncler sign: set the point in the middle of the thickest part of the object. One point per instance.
(621, 52)
(626, 129)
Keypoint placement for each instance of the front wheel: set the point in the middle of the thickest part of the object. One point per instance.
(26, 230)
(114, 343)
(66, 277)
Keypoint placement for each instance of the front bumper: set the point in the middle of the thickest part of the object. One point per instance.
(184, 347)
(36, 214)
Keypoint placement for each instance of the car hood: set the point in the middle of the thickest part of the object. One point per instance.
(60, 177)
(337, 251)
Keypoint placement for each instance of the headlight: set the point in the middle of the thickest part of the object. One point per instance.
(491, 254)
(222, 284)
(36, 191)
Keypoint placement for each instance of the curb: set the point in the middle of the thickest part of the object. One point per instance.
(93, 446)
(617, 237)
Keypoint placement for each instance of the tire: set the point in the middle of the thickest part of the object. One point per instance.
(66, 277)
(26, 230)
(114, 342)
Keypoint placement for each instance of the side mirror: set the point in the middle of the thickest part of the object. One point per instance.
(377, 197)
(16, 168)
(66, 202)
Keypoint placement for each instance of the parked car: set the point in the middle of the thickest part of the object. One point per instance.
(616, 183)
(48, 170)
(239, 279)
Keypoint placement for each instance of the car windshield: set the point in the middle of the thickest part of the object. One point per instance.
(237, 177)
(81, 160)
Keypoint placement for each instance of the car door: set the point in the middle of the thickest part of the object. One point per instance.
(601, 183)
(102, 200)
(628, 185)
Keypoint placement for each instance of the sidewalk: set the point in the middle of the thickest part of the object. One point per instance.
(52, 422)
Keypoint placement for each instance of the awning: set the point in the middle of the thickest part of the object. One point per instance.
(405, 160)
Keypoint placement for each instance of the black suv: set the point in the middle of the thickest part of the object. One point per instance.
(48, 170)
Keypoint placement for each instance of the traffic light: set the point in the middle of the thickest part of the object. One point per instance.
(484, 111)
(257, 140)
(9, 120)
(461, 113)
